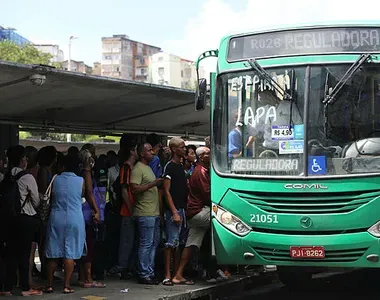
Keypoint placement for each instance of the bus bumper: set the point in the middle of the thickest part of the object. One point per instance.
(356, 250)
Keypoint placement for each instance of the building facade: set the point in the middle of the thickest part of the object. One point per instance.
(77, 66)
(169, 69)
(97, 69)
(125, 58)
(53, 50)
(10, 34)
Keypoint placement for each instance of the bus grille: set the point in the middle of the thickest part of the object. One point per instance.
(308, 203)
(350, 255)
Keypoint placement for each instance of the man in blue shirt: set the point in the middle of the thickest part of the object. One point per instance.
(155, 141)
(235, 141)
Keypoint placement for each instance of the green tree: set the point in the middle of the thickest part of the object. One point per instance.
(26, 54)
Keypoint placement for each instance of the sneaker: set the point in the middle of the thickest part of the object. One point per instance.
(221, 276)
(31, 292)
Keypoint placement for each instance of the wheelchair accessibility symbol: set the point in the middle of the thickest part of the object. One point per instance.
(317, 165)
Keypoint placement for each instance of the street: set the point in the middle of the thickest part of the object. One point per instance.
(360, 284)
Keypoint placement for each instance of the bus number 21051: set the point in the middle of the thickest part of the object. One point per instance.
(258, 218)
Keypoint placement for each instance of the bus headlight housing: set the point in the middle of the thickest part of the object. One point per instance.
(375, 229)
(230, 221)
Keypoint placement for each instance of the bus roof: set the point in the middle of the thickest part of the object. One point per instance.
(357, 23)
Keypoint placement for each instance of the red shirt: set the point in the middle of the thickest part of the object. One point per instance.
(199, 191)
(125, 176)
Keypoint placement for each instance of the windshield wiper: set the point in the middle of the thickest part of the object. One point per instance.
(330, 98)
(285, 95)
(264, 74)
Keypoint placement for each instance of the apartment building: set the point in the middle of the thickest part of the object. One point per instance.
(53, 50)
(97, 68)
(172, 70)
(125, 58)
(77, 66)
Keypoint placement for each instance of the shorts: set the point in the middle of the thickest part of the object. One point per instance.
(198, 227)
(175, 234)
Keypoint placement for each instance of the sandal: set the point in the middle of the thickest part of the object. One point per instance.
(167, 282)
(184, 282)
(48, 290)
(67, 290)
(94, 284)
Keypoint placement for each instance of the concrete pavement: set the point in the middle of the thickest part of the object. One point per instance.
(201, 289)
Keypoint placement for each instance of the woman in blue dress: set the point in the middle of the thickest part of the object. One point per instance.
(65, 237)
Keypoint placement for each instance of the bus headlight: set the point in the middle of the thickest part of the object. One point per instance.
(375, 229)
(230, 221)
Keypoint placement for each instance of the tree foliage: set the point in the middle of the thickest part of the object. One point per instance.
(26, 54)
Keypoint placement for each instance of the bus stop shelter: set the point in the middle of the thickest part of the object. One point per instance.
(42, 97)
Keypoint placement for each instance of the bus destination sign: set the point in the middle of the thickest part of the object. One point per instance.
(305, 42)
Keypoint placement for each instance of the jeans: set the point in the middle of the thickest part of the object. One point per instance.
(149, 239)
(127, 243)
(175, 234)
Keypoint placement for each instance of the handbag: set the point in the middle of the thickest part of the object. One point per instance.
(45, 202)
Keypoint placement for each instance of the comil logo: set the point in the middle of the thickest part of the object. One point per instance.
(305, 186)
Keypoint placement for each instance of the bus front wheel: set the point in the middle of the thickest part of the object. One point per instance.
(294, 277)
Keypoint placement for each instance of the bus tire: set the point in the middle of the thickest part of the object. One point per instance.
(294, 277)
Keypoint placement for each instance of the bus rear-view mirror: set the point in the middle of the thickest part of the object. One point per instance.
(200, 95)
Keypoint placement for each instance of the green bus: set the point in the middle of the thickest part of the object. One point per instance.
(295, 144)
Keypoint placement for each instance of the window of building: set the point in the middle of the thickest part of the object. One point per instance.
(161, 71)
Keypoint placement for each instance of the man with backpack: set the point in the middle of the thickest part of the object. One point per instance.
(19, 200)
(123, 192)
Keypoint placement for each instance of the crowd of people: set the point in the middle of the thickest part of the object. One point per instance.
(105, 215)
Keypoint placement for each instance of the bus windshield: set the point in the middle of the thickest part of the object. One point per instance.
(258, 132)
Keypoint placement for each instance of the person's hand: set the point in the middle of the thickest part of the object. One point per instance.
(177, 218)
(96, 216)
(166, 150)
(88, 163)
(158, 182)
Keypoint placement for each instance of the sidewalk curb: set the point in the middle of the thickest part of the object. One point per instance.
(221, 290)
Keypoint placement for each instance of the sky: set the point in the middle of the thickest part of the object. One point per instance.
(183, 28)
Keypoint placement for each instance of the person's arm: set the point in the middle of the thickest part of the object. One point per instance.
(168, 196)
(32, 188)
(125, 197)
(250, 141)
(204, 181)
(161, 205)
(138, 188)
(234, 149)
(89, 195)
(42, 180)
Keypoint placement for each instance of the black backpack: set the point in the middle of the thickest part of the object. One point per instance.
(10, 197)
